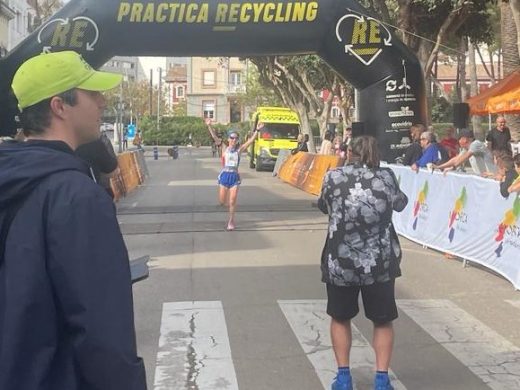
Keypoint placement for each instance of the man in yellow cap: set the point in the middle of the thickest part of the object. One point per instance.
(66, 310)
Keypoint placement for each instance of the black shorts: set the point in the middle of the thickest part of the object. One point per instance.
(378, 301)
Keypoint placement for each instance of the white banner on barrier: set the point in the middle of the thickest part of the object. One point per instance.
(464, 215)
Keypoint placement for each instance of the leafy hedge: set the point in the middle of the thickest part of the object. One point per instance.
(176, 130)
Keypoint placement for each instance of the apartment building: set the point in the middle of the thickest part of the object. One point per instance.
(21, 24)
(213, 87)
(129, 67)
(177, 83)
(6, 15)
(447, 76)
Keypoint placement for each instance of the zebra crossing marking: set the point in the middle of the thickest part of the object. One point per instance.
(488, 355)
(310, 323)
(194, 350)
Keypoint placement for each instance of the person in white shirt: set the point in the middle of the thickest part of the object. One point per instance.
(326, 145)
(474, 151)
(229, 178)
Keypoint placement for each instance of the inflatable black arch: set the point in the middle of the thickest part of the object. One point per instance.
(361, 49)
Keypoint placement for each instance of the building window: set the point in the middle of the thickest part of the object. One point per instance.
(19, 22)
(208, 78)
(127, 65)
(208, 109)
(235, 78)
(334, 112)
(179, 91)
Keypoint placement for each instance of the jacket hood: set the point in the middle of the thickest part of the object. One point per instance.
(24, 164)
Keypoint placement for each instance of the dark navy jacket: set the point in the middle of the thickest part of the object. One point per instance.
(66, 310)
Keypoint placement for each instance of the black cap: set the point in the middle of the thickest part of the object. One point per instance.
(466, 133)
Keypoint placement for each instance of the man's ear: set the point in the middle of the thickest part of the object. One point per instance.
(58, 106)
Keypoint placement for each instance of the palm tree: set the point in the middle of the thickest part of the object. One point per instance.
(511, 60)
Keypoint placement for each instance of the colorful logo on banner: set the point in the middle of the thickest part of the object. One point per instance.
(419, 203)
(366, 37)
(460, 203)
(510, 218)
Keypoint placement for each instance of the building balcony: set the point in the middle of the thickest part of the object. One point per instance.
(236, 89)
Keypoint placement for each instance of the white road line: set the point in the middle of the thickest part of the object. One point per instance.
(248, 182)
(310, 323)
(487, 354)
(514, 303)
(194, 351)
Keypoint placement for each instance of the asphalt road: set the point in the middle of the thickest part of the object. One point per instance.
(246, 309)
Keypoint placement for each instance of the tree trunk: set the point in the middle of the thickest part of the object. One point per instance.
(462, 65)
(509, 39)
(515, 8)
(475, 119)
(305, 125)
(510, 57)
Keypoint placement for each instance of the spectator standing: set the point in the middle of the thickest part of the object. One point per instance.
(414, 150)
(506, 173)
(125, 139)
(515, 186)
(347, 136)
(474, 151)
(306, 141)
(138, 140)
(336, 146)
(302, 144)
(432, 153)
(326, 145)
(66, 313)
(361, 254)
(450, 142)
(499, 138)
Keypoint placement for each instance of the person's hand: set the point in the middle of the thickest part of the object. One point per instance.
(208, 121)
(259, 126)
(415, 168)
(446, 170)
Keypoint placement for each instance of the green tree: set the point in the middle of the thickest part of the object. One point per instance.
(298, 81)
(428, 27)
(43, 10)
(258, 94)
(135, 97)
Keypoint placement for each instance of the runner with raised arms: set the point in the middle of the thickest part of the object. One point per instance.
(229, 178)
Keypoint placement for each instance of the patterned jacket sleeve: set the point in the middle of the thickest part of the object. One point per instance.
(398, 197)
(322, 201)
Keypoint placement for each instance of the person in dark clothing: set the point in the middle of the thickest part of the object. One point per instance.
(499, 138)
(302, 145)
(102, 159)
(515, 185)
(66, 309)
(506, 173)
(414, 151)
(361, 255)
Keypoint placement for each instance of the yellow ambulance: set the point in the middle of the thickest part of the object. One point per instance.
(280, 131)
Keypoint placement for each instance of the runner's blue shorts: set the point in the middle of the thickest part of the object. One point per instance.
(229, 179)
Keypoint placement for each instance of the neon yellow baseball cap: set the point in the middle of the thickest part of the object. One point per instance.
(50, 74)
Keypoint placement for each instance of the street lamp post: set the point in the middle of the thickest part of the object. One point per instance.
(120, 119)
(159, 90)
